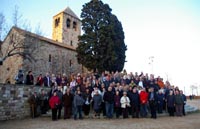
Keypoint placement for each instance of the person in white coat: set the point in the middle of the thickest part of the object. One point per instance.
(125, 103)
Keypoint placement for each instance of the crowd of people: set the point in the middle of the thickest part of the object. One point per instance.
(111, 95)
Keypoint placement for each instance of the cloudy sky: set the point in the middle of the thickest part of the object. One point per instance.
(168, 30)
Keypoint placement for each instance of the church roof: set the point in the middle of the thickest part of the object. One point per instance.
(47, 40)
(70, 12)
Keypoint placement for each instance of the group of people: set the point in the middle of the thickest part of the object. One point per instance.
(112, 95)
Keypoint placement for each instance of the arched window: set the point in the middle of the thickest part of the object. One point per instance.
(74, 25)
(68, 22)
(71, 43)
(57, 21)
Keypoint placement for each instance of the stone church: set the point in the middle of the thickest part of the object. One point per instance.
(56, 55)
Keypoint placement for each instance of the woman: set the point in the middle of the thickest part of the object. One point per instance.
(54, 102)
(125, 103)
(117, 104)
(97, 99)
(86, 106)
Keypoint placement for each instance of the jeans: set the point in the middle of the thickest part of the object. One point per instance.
(109, 109)
(143, 110)
(78, 110)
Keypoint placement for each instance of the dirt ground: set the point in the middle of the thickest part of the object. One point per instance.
(190, 121)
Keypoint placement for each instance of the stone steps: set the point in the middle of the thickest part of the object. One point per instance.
(189, 108)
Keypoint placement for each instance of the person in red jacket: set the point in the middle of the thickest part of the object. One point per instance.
(143, 102)
(54, 102)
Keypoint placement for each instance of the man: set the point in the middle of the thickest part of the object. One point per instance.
(43, 102)
(184, 99)
(135, 103)
(78, 104)
(109, 102)
(161, 99)
(153, 99)
(67, 99)
(178, 103)
(47, 80)
(33, 104)
(60, 95)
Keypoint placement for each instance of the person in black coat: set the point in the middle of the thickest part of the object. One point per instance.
(109, 102)
(161, 99)
(135, 103)
(153, 102)
(60, 95)
(170, 103)
(29, 78)
(184, 99)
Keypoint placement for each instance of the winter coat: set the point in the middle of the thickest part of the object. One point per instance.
(108, 97)
(170, 101)
(67, 100)
(143, 97)
(125, 102)
(179, 100)
(54, 102)
(161, 98)
(135, 99)
(97, 99)
(60, 95)
(78, 100)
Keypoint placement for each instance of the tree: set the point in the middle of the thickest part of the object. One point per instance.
(17, 46)
(102, 45)
(17, 16)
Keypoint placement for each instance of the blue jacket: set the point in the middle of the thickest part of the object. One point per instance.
(78, 100)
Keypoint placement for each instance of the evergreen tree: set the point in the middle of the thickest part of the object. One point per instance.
(102, 45)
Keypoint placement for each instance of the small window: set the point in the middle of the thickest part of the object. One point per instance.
(57, 21)
(74, 25)
(70, 63)
(49, 57)
(68, 22)
(71, 43)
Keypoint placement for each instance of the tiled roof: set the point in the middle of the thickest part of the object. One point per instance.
(47, 40)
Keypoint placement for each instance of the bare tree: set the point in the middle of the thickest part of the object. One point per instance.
(38, 30)
(17, 17)
(17, 46)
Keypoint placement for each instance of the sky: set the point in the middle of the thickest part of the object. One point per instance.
(167, 30)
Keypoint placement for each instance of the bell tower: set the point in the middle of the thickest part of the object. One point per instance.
(66, 27)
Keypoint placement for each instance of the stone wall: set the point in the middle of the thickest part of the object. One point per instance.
(14, 101)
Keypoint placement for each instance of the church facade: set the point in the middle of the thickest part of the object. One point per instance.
(56, 55)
